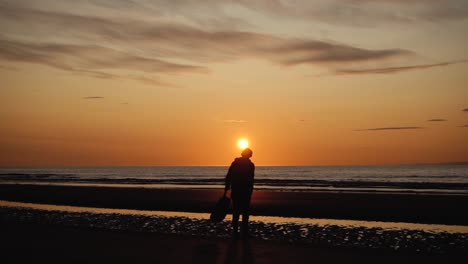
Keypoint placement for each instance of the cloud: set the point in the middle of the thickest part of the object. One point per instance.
(173, 40)
(437, 120)
(464, 126)
(99, 46)
(465, 110)
(8, 68)
(219, 13)
(389, 128)
(316, 52)
(95, 61)
(364, 13)
(397, 69)
(104, 46)
(93, 97)
(79, 57)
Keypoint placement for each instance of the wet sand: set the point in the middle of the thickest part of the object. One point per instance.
(424, 238)
(54, 234)
(375, 206)
(33, 243)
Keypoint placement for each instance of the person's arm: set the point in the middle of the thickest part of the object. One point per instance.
(227, 181)
(252, 176)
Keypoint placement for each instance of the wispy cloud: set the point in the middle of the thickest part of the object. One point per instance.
(156, 47)
(389, 128)
(8, 68)
(182, 41)
(464, 126)
(397, 69)
(111, 45)
(429, 10)
(95, 61)
(437, 120)
(93, 97)
(82, 58)
(217, 13)
(364, 13)
(316, 52)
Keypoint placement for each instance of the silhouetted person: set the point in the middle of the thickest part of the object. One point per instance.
(240, 179)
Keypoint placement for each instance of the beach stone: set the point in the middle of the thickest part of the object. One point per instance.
(332, 235)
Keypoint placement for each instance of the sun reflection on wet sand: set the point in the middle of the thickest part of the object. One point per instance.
(264, 219)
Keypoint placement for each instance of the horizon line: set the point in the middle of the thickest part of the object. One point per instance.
(300, 165)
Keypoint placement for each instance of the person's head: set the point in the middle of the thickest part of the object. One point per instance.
(247, 153)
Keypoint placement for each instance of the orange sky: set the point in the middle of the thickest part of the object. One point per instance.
(178, 83)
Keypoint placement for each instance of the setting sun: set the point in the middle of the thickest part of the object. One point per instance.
(243, 143)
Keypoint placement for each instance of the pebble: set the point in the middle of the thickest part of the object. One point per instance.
(342, 236)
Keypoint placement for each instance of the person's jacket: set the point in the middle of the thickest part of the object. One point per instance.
(240, 175)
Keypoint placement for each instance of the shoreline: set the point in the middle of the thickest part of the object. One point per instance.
(387, 207)
(434, 228)
(171, 186)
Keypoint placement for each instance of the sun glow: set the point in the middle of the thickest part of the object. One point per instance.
(243, 143)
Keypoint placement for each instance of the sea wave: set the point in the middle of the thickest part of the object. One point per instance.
(273, 182)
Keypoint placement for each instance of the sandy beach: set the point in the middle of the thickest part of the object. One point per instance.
(73, 225)
(393, 207)
(54, 244)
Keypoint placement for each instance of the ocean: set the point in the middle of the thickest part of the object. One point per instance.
(414, 178)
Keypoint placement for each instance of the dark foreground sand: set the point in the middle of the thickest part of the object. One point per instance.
(42, 236)
(430, 239)
(393, 207)
(29, 243)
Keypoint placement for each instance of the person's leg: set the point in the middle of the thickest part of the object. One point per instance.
(235, 216)
(245, 216)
